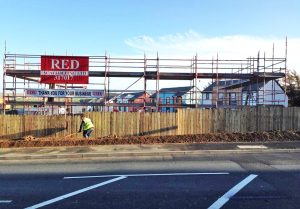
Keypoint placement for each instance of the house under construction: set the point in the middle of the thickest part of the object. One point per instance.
(229, 83)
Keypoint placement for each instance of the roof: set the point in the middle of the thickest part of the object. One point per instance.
(178, 91)
(110, 96)
(233, 84)
(258, 86)
(253, 86)
(131, 96)
(223, 83)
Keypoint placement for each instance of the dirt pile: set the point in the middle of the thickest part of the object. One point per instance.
(31, 141)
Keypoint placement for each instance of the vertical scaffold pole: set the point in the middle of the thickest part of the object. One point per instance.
(273, 81)
(105, 80)
(4, 84)
(108, 77)
(257, 89)
(157, 83)
(196, 86)
(192, 82)
(145, 82)
(264, 79)
(217, 80)
(285, 71)
(212, 82)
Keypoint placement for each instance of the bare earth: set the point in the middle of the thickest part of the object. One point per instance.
(30, 141)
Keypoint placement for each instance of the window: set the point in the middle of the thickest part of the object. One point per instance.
(206, 96)
(179, 100)
(168, 100)
(220, 98)
(232, 99)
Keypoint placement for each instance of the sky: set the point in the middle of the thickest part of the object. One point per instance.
(178, 28)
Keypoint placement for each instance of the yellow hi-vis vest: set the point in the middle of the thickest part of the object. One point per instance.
(87, 124)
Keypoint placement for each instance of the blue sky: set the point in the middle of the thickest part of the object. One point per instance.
(132, 27)
(82, 26)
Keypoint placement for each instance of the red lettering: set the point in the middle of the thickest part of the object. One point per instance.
(31, 92)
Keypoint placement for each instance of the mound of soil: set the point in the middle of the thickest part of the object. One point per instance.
(30, 141)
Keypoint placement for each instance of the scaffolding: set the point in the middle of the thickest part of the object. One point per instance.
(234, 83)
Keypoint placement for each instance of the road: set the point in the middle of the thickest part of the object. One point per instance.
(214, 180)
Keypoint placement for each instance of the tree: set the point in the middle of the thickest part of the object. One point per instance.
(293, 88)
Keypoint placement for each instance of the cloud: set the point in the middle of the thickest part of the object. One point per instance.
(188, 44)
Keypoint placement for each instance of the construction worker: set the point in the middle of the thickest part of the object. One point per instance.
(86, 125)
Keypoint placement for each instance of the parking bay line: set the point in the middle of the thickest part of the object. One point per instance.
(252, 147)
(225, 198)
(147, 174)
(48, 202)
(5, 201)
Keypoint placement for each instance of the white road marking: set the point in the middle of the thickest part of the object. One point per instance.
(252, 147)
(48, 202)
(147, 174)
(5, 201)
(225, 198)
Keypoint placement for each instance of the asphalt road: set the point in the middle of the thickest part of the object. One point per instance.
(253, 180)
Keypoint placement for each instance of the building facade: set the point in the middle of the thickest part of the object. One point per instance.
(234, 93)
(132, 102)
(170, 99)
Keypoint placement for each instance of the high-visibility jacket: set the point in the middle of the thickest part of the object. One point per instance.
(87, 124)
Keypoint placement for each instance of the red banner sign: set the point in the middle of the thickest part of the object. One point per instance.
(65, 69)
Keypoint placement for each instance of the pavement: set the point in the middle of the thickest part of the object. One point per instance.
(108, 152)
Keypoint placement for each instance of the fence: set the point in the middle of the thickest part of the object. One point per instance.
(185, 121)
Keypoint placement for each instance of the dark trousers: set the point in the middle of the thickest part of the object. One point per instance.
(87, 133)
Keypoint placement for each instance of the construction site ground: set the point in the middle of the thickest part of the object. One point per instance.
(272, 136)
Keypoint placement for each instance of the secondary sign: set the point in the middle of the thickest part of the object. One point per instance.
(64, 93)
(65, 69)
